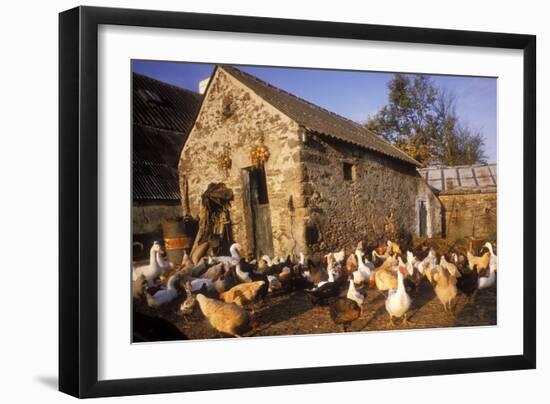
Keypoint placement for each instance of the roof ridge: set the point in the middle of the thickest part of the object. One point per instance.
(282, 90)
(195, 93)
(340, 120)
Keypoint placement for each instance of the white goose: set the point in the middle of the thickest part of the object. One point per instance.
(151, 271)
(398, 301)
(163, 264)
(164, 295)
(233, 259)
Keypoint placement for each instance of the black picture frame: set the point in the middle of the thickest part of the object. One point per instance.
(78, 196)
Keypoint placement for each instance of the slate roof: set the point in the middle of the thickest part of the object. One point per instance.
(163, 116)
(461, 179)
(317, 119)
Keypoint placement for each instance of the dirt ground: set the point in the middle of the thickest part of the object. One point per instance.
(291, 313)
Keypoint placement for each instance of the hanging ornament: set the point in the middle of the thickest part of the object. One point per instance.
(260, 153)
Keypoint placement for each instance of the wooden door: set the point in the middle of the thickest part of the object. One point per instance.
(261, 213)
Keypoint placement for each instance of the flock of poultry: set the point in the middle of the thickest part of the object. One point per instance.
(226, 286)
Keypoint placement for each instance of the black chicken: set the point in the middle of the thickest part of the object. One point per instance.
(467, 283)
(326, 291)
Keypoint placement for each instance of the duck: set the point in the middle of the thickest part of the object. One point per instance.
(200, 268)
(227, 280)
(485, 282)
(202, 284)
(445, 288)
(354, 294)
(164, 296)
(344, 311)
(234, 257)
(363, 272)
(164, 264)
(492, 258)
(242, 275)
(151, 271)
(331, 272)
(226, 318)
(398, 301)
(321, 294)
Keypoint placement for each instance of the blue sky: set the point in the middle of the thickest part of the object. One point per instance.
(354, 95)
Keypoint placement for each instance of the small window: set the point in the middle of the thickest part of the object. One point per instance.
(349, 172)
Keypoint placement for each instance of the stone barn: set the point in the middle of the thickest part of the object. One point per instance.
(163, 115)
(304, 179)
(469, 198)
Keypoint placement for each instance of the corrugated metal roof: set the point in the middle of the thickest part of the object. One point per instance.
(163, 106)
(163, 115)
(456, 179)
(317, 119)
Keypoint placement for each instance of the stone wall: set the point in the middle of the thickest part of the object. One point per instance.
(148, 217)
(470, 214)
(379, 201)
(232, 114)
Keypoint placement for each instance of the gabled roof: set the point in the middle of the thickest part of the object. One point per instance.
(461, 179)
(163, 115)
(317, 119)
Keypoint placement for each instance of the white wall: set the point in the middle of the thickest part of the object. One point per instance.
(28, 163)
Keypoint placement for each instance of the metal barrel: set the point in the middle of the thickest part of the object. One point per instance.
(178, 237)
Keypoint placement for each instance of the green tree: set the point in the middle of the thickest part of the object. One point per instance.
(421, 120)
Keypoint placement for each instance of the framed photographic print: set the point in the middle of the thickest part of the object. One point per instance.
(235, 188)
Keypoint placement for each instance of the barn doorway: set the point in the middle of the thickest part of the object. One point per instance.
(255, 183)
(422, 219)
